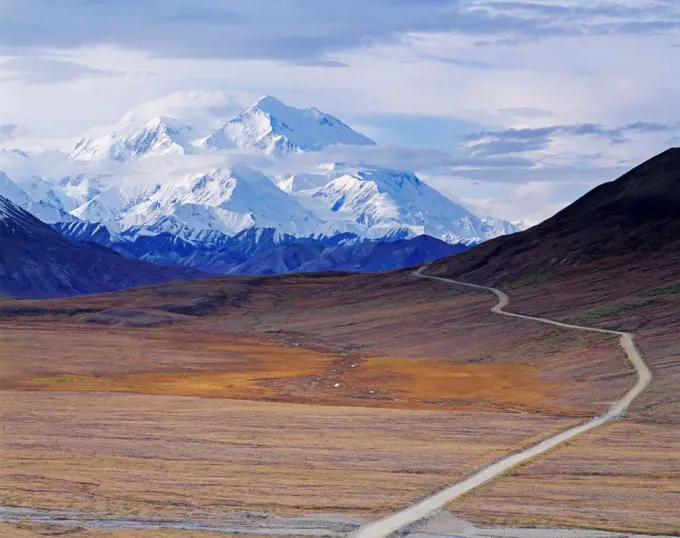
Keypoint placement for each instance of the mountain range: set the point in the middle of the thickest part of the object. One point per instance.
(208, 192)
(36, 261)
(268, 125)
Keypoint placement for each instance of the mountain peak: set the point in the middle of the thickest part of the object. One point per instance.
(396, 177)
(161, 135)
(276, 128)
(281, 111)
(159, 122)
(269, 103)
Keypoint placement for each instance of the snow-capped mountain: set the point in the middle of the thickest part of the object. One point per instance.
(159, 136)
(224, 200)
(385, 203)
(106, 206)
(163, 185)
(268, 126)
(275, 128)
(12, 191)
(370, 203)
(36, 197)
(36, 261)
(522, 225)
(301, 182)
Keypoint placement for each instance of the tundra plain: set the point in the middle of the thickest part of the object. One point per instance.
(326, 394)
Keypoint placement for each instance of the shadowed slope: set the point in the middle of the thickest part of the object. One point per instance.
(610, 260)
(635, 218)
(35, 261)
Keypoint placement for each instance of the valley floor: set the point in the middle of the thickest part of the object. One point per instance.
(301, 396)
(175, 456)
(624, 477)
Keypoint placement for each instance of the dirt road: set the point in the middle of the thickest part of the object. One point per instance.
(428, 506)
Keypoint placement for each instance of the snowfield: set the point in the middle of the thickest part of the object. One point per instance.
(169, 167)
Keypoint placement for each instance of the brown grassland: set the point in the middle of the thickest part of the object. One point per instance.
(329, 394)
(171, 456)
(625, 476)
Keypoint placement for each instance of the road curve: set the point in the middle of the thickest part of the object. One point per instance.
(424, 508)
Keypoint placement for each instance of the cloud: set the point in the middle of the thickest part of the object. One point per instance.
(8, 132)
(293, 31)
(410, 71)
(516, 193)
(509, 141)
(600, 17)
(395, 157)
(39, 70)
(525, 112)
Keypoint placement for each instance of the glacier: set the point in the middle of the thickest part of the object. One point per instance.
(167, 176)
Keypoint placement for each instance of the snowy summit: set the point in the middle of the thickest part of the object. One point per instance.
(276, 128)
(176, 173)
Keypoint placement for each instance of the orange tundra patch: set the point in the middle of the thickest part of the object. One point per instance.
(441, 379)
(273, 373)
(248, 374)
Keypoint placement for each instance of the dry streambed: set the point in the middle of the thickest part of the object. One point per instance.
(31, 523)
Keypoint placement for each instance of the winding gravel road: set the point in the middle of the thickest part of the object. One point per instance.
(426, 507)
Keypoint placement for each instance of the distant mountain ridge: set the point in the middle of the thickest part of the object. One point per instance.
(36, 261)
(165, 178)
(371, 203)
(362, 256)
(268, 126)
(266, 251)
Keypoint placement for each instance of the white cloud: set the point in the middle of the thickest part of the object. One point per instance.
(542, 64)
(293, 31)
(8, 132)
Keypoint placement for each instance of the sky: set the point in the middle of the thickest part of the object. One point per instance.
(514, 108)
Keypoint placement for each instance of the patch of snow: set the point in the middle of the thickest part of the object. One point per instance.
(522, 225)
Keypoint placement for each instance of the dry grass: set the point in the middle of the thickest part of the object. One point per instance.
(429, 347)
(276, 372)
(447, 382)
(622, 477)
(291, 340)
(169, 456)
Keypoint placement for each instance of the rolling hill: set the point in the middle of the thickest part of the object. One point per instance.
(626, 223)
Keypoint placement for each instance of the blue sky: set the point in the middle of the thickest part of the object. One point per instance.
(572, 92)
